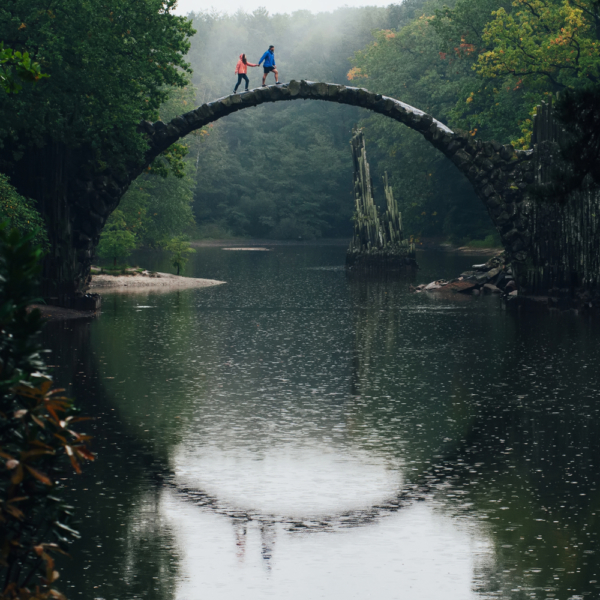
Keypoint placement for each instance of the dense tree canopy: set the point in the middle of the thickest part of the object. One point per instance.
(556, 41)
(109, 65)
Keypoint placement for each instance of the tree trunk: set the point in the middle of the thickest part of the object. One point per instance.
(46, 174)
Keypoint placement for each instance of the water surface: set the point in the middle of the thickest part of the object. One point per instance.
(298, 434)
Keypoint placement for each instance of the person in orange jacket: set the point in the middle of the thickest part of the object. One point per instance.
(240, 70)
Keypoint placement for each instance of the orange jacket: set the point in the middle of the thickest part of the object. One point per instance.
(241, 68)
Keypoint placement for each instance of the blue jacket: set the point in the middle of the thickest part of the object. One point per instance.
(269, 58)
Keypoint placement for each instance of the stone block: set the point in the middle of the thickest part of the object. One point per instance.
(180, 123)
(461, 159)
(454, 145)
(294, 87)
(249, 99)
(320, 90)
(488, 149)
(277, 92)
(507, 152)
(488, 190)
(98, 204)
(502, 219)
(490, 288)
(363, 97)
(304, 89)
(333, 90)
(203, 111)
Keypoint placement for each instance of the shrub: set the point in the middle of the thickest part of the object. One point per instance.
(116, 241)
(180, 250)
(37, 435)
(21, 213)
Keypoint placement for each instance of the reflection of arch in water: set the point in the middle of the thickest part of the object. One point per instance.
(410, 493)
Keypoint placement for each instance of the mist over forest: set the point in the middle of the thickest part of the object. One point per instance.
(284, 171)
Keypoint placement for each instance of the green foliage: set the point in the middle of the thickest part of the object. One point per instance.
(497, 108)
(180, 250)
(17, 67)
(111, 64)
(434, 198)
(116, 240)
(158, 208)
(21, 214)
(522, 51)
(170, 161)
(37, 437)
(553, 40)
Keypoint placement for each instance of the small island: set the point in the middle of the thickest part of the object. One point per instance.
(135, 280)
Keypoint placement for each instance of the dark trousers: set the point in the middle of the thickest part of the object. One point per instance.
(240, 77)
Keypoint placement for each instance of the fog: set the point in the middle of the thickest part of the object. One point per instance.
(231, 6)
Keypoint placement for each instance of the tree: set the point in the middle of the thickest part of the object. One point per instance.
(38, 436)
(180, 250)
(116, 240)
(490, 107)
(407, 63)
(18, 212)
(557, 41)
(110, 65)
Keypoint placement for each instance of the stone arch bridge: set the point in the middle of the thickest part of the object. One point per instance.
(499, 174)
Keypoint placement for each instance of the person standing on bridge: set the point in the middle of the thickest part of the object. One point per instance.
(269, 66)
(240, 70)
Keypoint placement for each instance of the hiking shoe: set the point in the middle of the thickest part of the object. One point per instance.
(278, 83)
(234, 92)
(264, 85)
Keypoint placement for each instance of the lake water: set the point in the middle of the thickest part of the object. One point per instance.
(295, 434)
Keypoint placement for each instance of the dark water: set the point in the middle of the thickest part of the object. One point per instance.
(295, 434)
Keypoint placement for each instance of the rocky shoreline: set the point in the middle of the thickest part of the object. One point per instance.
(496, 277)
(492, 277)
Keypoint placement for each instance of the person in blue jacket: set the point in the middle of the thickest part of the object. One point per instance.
(269, 66)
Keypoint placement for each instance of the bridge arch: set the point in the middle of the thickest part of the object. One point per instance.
(499, 174)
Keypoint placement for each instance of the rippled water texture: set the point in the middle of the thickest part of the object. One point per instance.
(297, 434)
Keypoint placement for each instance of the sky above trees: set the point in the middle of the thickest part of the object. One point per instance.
(273, 6)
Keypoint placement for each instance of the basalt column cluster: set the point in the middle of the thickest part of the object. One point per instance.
(378, 242)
